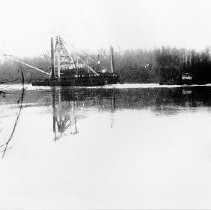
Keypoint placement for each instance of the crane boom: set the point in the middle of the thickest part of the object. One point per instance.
(35, 68)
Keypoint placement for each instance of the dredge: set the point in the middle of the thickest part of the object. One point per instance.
(71, 70)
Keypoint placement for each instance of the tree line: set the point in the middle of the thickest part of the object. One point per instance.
(165, 65)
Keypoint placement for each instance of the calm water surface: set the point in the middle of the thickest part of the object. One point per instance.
(123, 146)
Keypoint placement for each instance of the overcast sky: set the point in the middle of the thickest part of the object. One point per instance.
(26, 25)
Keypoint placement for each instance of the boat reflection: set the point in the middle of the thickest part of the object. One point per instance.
(69, 106)
(64, 116)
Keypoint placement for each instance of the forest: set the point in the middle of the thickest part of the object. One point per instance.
(164, 66)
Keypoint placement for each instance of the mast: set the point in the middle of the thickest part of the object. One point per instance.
(52, 60)
(58, 65)
(112, 59)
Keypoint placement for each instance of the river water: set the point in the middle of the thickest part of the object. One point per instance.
(120, 146)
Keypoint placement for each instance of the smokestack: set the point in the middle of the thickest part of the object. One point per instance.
(112, 59)
(52, 60)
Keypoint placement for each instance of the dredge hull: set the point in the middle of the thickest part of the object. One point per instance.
(79, 81)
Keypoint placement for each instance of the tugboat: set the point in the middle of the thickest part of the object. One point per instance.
(187, 79)
(71, 70)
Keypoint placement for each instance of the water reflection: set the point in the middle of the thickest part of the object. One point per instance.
(70, 105)
(159, 100)
(93, 148)
(64, 116)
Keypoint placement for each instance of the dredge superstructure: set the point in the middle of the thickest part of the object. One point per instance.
(71, 70)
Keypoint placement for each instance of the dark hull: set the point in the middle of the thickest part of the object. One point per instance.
(79, 81)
